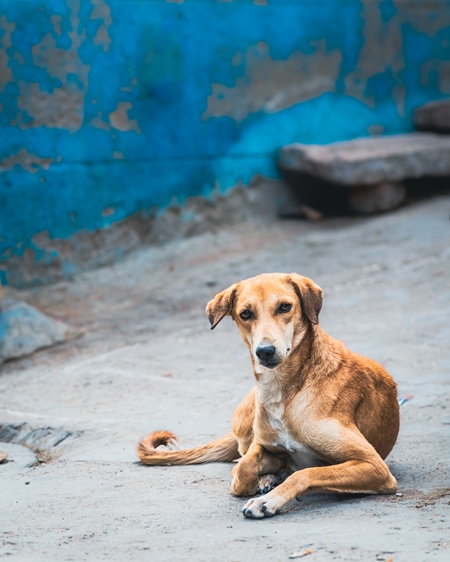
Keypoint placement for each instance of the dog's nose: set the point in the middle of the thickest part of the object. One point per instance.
(265, 352)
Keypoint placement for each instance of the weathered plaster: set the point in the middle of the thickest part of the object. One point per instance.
(63, 106)
(436, 70)
(271, 85)
(56, 20)
(5, 43)
(425, 16)
(102, 11)
(26, 160)
(381, 51)
(304, 76)
(99, 123)
(120, 120)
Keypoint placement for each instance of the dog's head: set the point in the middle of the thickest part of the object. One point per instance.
(273, 312)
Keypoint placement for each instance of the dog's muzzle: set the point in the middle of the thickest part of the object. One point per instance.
(267, 356)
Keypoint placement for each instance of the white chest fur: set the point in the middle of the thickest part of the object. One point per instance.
(270, 397)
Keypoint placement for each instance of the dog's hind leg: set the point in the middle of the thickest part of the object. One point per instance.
(348, 477)
(365, 473)
(268, 482)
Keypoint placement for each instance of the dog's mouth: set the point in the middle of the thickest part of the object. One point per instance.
(269, 364)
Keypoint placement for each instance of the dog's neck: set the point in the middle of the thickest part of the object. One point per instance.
(316, 355)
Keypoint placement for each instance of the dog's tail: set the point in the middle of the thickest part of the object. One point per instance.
(223, 449)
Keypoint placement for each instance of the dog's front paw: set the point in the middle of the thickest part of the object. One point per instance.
(266, 483)
(257, 508)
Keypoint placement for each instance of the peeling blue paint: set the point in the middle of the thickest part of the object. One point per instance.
(380, 86)
(134, 103)
(388, 10)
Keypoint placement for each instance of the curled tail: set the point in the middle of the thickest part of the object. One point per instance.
(223, 449)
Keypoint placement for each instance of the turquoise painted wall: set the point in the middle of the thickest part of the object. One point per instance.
(111, 106)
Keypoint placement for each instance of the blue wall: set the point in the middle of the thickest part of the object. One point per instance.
(111, 106)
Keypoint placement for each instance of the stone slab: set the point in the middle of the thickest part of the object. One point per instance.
(23, 329)
(20, 459)
(371, 161)
(433, 116)
(42, 438)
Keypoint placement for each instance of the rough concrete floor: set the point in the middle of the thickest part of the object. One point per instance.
(148, 360)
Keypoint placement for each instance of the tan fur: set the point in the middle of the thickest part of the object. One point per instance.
(326, 414)
(223, 449)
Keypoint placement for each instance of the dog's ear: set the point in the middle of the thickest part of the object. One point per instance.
(221, 305)
(310, 295)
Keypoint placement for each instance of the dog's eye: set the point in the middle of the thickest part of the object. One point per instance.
(285, 307)
(245, 314)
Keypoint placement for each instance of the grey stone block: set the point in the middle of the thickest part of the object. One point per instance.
(433, 116)
(18, 461)
(371, 161)
(23, 329)
(44, 438)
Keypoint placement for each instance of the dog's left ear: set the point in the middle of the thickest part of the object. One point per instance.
(220, 306)
(310, 295)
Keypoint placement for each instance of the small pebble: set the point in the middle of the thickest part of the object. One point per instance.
(300, 554)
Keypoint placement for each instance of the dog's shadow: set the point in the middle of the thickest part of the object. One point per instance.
(315, 502)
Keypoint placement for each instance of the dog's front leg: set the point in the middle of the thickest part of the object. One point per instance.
(255, 463)
(354, 476)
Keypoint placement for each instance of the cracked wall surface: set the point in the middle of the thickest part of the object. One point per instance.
(109, 107)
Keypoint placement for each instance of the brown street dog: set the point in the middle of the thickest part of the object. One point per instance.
(320, 418)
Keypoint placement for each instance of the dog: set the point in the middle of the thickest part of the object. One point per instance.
(320, 418)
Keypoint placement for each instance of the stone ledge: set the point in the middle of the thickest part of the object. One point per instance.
(371, 161)
(433, 116)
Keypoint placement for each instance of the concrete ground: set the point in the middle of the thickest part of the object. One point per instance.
(147, 360)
